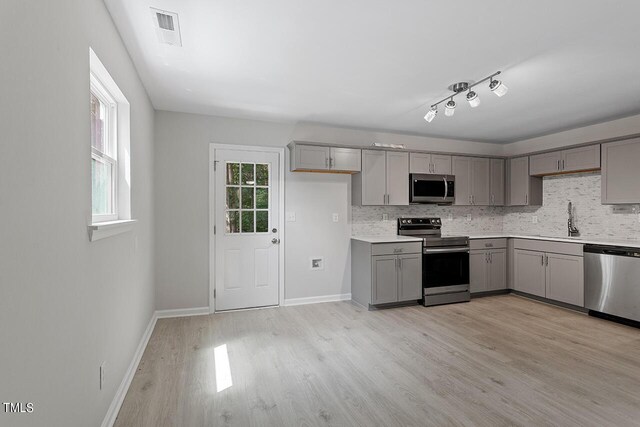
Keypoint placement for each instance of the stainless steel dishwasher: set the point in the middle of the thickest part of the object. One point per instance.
(612, 280)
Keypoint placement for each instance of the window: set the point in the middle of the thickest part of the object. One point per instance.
(104, 154)
(110, 146)
(247, 201)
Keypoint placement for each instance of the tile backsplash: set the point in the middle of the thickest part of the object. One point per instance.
(592, 218)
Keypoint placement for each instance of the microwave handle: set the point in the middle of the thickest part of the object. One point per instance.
(446, 187)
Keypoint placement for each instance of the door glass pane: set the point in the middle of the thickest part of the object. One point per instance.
(101, 182)
(233, 173)
(247, 221)
(233, 197)
(247, 198)
(262, 174)
(262, 198)
(262, 221)
(247, 174)
(233, 222)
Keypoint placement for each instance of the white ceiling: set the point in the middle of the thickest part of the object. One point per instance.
(378, 64)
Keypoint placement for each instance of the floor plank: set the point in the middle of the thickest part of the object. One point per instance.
(496, 361)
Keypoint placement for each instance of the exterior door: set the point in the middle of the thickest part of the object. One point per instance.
(246, 265)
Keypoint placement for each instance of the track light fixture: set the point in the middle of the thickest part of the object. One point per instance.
(496, 86)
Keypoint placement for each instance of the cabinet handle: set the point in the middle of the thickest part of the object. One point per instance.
(526, 199)
(546, 259)
(326, 162)
(542, 259)
(332, 162)
(558, 165)
(562, 164)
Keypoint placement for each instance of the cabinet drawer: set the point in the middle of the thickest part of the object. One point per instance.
(548, 246)
(396, 248)
(479, 244)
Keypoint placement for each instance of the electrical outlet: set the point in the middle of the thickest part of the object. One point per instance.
(469, 217)
(335, 217)
(291, 216)
(102, 374)
(534, 219)
(385, 217)
(316, 263)
(450, 217)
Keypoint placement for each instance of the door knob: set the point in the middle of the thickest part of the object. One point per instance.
(275, 241)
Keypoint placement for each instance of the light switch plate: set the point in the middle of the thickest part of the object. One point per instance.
(291, 216)
(534, 219)
(336, 217)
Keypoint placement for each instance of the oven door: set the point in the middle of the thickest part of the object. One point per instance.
(431, 188)
(445, 267)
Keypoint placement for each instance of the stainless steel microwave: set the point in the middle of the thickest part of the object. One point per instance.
(426, 188)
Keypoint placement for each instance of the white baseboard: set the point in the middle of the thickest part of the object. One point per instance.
(114, 408)
(316, 300)
(182, 312)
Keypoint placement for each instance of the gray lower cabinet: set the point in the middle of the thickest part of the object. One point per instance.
(522, 189)
(488, 265)
(620, 172)
(385, 273)
(384, 179)
(555, 276)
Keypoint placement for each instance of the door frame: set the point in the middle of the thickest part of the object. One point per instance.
(212, 212)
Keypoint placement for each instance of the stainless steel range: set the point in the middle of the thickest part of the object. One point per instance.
(445, 261)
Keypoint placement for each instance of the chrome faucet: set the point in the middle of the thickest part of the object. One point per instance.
(573, 231)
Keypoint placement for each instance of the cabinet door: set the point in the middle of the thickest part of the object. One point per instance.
(529, 272)
(480, 179)
(311, 157)
(565, 279)
(384, 279)
(545, 164)
(518, 181)
(478, 271)
(374, 177)
(345, 159)
(497, 182)
(397, 178)
(441, 164)
(420, 163)
(462, 172)
(620, 172)
(409, 277)
(497, 270)
(581, 159)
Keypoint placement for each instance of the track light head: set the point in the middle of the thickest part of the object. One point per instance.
(498, 87)
(450, 108)
(431, 115)
(473, 99)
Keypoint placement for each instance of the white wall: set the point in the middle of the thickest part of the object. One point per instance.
(66, 304)
(182, 254)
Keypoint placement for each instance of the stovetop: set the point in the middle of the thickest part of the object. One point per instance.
(429, 229)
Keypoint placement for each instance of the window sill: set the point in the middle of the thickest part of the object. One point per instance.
(102, 230)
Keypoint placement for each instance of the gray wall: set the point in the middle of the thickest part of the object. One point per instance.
(182, 203)
(66, 304)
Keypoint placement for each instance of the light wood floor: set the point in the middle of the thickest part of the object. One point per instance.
(495, 361)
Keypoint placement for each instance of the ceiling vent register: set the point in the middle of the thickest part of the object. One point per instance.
(167, 27)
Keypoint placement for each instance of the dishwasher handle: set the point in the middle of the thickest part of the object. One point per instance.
(612, 250)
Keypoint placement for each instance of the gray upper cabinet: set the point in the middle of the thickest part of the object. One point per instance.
(397, 178)
(529, 272)
(430, 163)
(480, 181)
(345, 159)
(384, 179)
(310, 157)
(545, 164)
(473, 180)
(621, 172)
(578, 159)
(522, 189)
(373, 178)
(497, 182)
(581, 159)
(320, 158)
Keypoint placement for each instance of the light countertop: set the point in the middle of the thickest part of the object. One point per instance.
(386, 239)
(580, 240)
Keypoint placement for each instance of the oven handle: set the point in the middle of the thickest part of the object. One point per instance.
(445, 250)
